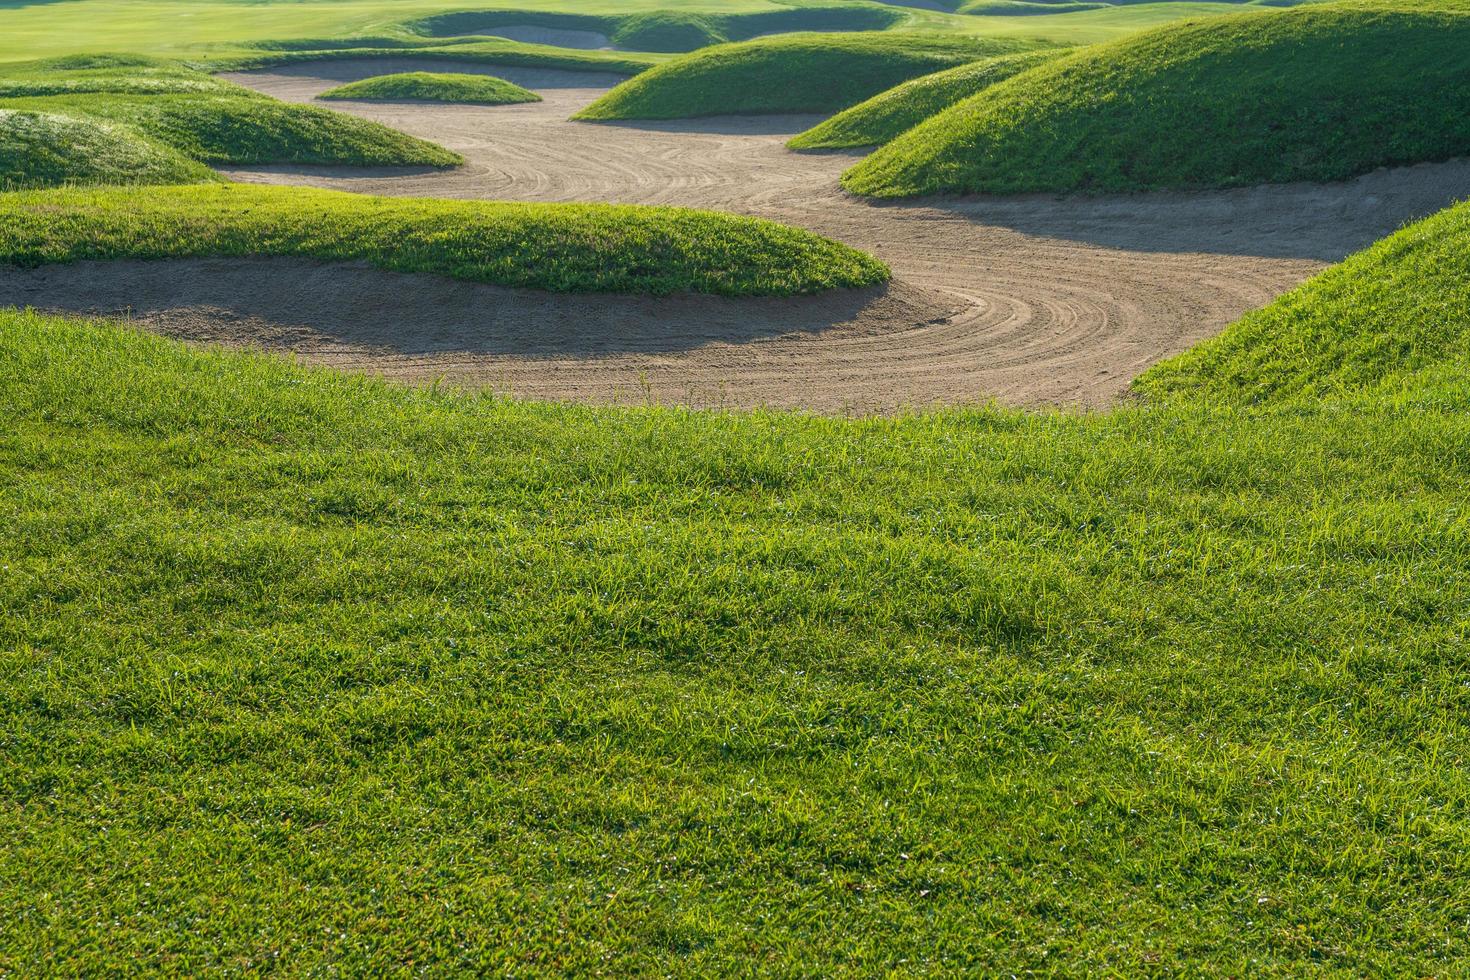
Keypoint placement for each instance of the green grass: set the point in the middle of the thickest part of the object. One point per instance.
(41, 149)
(561, 247)
(246, 131)
(790, 73)
(1316, 93)
(433, 87)
(1373, 322)
(316, 675)
(901, 108)
(116, 74)
(668, 30)
(145, 109)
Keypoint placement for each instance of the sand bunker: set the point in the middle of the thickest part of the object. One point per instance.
(1034, 300)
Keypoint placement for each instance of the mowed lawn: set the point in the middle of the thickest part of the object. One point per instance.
(306, 671)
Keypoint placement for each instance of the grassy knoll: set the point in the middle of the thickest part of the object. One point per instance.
(42, 149)
(1401, 307)
(1315, 93)
(901, 108)
(116, 74)
(789, 73)
(562, 247)
(246, 131)
(433, 87)
(305, 672)
(668, 30)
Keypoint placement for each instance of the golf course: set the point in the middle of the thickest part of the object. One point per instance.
(728, 488)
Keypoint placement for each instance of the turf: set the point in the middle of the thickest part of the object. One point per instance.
(1374, 322)
(246, 131)
(560, 247)
(316, 675)
(789, 73)
(433, 87)
(40, 149)
(667, 31)
(901, 108)
(1314, 93)
(117, 74)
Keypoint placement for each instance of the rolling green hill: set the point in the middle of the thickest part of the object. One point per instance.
(41, 149)
(901, 108)
(790, 73)
(149, 115)
(433, 87)
(1315, 93)
(559, 247)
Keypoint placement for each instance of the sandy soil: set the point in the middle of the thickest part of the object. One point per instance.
(1029, 300)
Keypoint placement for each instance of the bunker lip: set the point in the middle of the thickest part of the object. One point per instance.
(1068, 298)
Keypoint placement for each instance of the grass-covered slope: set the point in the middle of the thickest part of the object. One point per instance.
(1401, 307)
(423, 86)
(901, 108)
(119, 74)
(563, 247)
(245, 131)
(123, 119)
(666, 30)
(791, 73)
(353, 678)
(1315, 93)
(41, 149)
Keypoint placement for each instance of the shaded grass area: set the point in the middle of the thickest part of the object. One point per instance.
(40, 149)
(901, 108)
(791, 73)
(1316, 93)
(492, 51)
(389, 677)
(560, 247)
(433, 87)
(1398, 308)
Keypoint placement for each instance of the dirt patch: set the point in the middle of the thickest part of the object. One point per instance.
(1046, 299)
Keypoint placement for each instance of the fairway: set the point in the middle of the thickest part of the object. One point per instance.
(734, 488)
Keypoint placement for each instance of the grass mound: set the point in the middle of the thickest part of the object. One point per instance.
(433, 87)
(667, 31)
(122, 74)
(1401, 307)
(790, 73)
(40, 149)
(560, 247)
(1309, 94)
(397, 676)
(901, 108)
(226, 129)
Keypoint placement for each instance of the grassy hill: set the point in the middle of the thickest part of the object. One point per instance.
(155, 122)
(433, 87)
(40, 149)
(1315, 93)
(901, 108)
(790, 73)
(669, 30)
(1375, 321)
(351, 677)
(561, 247)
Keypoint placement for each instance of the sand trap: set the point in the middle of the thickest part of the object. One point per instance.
(1034, 300)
